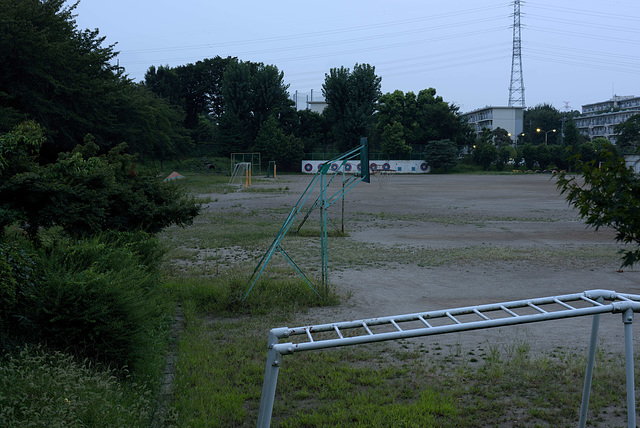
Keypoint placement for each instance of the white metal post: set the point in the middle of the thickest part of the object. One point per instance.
(274, 358)
(627, 319)
(586, 391)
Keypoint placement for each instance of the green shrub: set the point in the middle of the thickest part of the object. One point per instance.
(100, 299)
(20, 282)
(84, 192)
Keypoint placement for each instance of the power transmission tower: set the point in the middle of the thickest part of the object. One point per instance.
(516, 87)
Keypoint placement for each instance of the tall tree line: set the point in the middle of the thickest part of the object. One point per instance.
(64, 78)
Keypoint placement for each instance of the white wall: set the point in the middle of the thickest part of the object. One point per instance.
(398, 166)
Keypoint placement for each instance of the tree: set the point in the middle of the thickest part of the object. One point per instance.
(149, 125)
(441, 154)
(501, 137)
(572, 135)
(351, 101)
(485, 154)
(517, 157)
(40, 42)
(164, 81)
(83, 192)
(607, 194)
(393, 142)
(312, 129)
(396, 107)
(505, 153)
(424, 118)
(544, 117)
(274, 145)
(628, 134)
(201, 88)
(64, 79)
(196, 88)
(530, 155)
(543, 156)
(438, 119)
(252, 92)
(560, 156)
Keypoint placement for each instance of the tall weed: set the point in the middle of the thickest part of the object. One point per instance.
(42, 388)
(234, 295)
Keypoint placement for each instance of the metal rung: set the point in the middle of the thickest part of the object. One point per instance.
(335, 327)
(366, 327)
(453, 318)
(424, 321)
(509, 312)
(542, 311)
(594, 302)
(571, 308)
(396, 325)
(481, 315)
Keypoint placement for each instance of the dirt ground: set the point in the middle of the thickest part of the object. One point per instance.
(514, 212)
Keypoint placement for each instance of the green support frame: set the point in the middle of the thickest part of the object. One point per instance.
(323, 202)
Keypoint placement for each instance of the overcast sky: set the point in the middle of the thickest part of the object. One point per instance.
(575, 52)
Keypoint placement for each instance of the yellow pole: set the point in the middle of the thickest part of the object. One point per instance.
(249, 175)
(274, 170)
(246, 179)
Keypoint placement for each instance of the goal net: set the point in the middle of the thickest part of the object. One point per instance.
(241, 174)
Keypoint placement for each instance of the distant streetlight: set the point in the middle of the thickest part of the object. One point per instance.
(546, 134)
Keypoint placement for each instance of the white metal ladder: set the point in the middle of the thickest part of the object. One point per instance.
(348, 333)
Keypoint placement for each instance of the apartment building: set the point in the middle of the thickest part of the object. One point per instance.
(599, 119)
(509, 118)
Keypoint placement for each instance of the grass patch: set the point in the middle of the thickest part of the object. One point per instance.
(226, 228)
(227, 295)
(222, 366)
(253, 189)
(43, 388)
(311, 232)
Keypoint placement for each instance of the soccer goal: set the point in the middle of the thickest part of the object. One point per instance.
(241, 174)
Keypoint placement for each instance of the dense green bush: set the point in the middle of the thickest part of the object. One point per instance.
(101, 298)
(98, 297)
(20, 281)
(83, 192)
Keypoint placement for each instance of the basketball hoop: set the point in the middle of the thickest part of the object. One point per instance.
(382, 176)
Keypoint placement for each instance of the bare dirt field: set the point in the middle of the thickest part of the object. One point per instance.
(542, 246)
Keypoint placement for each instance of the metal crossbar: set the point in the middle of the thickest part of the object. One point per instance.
(348, 333)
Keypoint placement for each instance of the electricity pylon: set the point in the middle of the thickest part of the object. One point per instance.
(516, 87)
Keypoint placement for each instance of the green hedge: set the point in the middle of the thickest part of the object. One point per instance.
(97, 298)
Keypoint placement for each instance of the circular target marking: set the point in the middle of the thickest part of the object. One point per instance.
(373, 167)
(334, 167)
(308, 167)
(386, 167)
(347, 167)
(424, 166)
